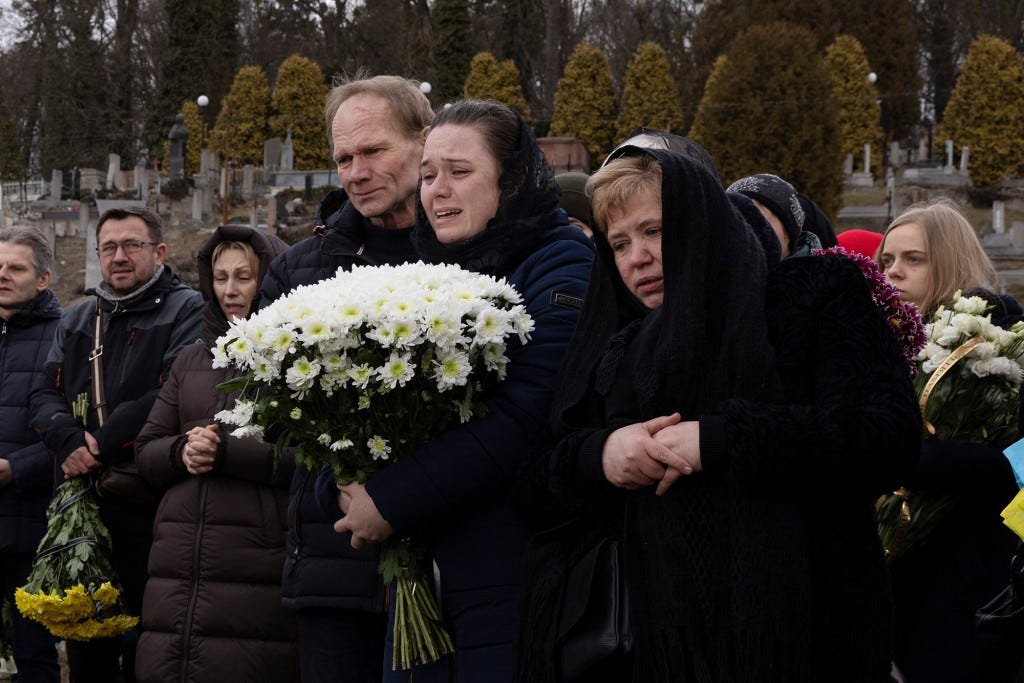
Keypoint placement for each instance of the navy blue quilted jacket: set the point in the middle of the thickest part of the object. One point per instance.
(24, 342)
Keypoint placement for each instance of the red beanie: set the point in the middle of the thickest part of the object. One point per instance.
(864, 242)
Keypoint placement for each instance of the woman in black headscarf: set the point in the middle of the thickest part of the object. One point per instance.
(706, 417)
(489, 203)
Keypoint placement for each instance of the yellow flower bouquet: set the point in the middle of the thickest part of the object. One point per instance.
(72, 589)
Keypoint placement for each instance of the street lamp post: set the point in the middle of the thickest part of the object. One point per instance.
(203, 101)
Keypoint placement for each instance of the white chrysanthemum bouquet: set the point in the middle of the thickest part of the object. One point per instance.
(968, 387)
(357, 370)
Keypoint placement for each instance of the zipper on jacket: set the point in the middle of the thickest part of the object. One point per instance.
(196, 545)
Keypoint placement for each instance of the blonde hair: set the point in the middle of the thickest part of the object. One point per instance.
(244, 247)
(617, 181)
(956, 259)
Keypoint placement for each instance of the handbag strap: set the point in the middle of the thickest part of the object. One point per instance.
(96, 365)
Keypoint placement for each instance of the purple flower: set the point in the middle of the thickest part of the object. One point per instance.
(902, 316)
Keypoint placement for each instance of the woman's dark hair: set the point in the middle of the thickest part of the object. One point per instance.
(497, 123)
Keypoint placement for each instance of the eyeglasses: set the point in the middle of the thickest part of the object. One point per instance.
(108, 249)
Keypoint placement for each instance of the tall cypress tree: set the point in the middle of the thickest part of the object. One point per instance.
(649, 94)
(298, 106)
(201, 57)
(490, 79)
(585, 102)
(769, 111)
(453, 48)
(984, 112)
(241, 126)
(857, 111)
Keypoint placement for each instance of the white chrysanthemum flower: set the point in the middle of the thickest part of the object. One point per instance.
(396, 371)
(324, 439)
(364, 402)
(248, 432)
(265, 370)
(315, 331)
(341, 444)
(295, 414)
(220, 357)
(452, 370)
(379, 448)
(465, 410)
(491, 325)
(523, 323)
(302, 373)
(360, 375)
(282, 342)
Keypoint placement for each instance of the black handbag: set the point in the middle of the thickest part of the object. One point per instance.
(999, 630)
(594, 630)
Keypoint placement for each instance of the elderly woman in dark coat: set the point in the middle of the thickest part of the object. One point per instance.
(731, 420)
(212, 608)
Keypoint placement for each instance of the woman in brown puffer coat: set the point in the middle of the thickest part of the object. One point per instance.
(212, 609)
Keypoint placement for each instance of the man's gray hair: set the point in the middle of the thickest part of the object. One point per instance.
(42, 254)
(408, 104)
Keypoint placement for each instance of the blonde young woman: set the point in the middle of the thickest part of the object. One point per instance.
(929, 252)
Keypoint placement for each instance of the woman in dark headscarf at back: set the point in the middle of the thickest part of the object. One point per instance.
(731, 433)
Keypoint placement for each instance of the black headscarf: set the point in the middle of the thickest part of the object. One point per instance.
(719, 575)
(527, 213)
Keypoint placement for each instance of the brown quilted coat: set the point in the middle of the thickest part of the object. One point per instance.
(212, 608)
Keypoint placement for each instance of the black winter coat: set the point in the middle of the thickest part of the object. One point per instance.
(24, 343)
(939, 586)
(322, 569)
(141, 338)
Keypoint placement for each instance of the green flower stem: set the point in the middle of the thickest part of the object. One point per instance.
(418, 634)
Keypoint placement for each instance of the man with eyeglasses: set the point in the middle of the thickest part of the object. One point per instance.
(146, 316)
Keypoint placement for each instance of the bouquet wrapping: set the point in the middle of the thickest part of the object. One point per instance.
(72, 589)
(362, 368)
(968, 388)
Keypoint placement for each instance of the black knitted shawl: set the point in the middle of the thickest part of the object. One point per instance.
(527, 213)
(718, 577)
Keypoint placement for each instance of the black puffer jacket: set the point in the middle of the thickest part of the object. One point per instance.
(24, 342)
(212, 608)
(322, 569)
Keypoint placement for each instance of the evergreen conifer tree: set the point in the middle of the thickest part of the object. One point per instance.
(194, 144)
(768, 111)
(241, 126)
(452, 47)
(856, 100)
(585, 102)
(985, 112)
(649, 94)
(298, 106)
(490, 79)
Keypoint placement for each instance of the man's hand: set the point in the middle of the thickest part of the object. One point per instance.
(83, 459)
(200, 449)
(361, 516)
(632, 458)
(6, 474)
